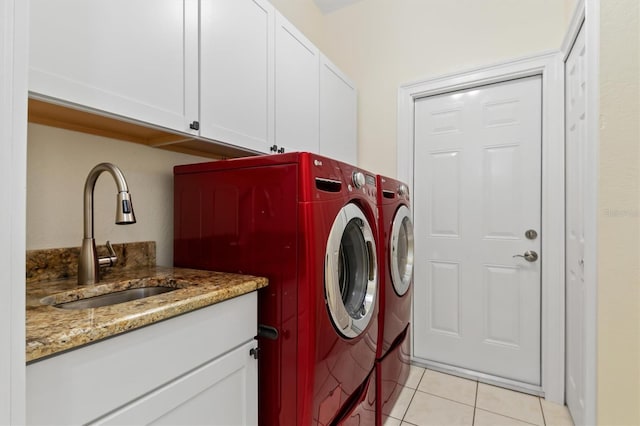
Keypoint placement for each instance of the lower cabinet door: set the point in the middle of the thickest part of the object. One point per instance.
(221, 392)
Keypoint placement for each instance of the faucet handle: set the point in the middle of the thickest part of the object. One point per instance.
(108, 260)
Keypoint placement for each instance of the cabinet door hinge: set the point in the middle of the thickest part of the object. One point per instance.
(195, 125)
(254, 352)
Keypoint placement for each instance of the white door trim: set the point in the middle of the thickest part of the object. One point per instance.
(549, 66)
(13, 174)
(587, 14)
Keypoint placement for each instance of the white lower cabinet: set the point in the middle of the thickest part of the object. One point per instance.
(218, 393)
(197, 368)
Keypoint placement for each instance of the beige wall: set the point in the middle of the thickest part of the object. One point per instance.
(382, 44)
(619, 216)
(306, 16)
(58, 162)
(569, 8)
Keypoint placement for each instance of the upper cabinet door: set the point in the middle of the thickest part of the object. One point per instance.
(125, 57)
(338, 114)
(236, 72)
(297, 89)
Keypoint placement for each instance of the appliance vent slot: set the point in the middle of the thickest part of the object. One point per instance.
(388, 194)
(328, 185)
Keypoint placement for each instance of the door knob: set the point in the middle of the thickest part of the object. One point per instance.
(529, 256)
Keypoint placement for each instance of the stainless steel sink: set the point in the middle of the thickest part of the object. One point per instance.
(114, 298)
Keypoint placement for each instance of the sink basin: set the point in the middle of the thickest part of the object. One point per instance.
(114, 298)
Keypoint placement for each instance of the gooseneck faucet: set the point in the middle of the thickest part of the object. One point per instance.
(89, 263)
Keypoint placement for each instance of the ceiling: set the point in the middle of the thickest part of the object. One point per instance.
(328, 6)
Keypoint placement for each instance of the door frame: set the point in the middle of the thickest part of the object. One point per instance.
(550, 67)
(14, 21)
(586, 15)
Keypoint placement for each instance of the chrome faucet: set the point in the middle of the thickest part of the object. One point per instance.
(89, 263)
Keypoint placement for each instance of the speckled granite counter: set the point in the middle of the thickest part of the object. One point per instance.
(51, 330)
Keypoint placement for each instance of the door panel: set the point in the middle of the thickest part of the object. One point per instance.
(106, 55)
(446, 290)
(297, 89)
(478, 190)
(444, 187)
(338, 114)
(236, 72)
(575, 108)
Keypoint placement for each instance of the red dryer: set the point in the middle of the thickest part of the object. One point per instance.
(395, 253)
(309, 224)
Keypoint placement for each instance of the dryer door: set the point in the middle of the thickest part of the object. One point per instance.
(350, 272)
(401, 252)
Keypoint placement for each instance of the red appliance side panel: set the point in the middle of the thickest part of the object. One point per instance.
(393, 372)
(363, 411)
(246, 221)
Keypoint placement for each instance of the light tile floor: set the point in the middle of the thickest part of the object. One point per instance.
(433, 398)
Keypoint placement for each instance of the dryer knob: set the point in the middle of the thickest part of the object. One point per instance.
(403, 190)
(358, 179)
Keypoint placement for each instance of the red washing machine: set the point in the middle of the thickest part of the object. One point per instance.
(395, 254)
(308, 224)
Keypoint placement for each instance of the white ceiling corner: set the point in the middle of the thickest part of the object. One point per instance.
(328, 6)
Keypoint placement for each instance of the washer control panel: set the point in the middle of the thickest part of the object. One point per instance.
(358, 179)
(403, 190)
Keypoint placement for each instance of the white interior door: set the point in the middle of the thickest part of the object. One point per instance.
(575, 143)
(477, 192)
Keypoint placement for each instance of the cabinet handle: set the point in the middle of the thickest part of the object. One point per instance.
(195, 125)
(267, 332)
(281, 151)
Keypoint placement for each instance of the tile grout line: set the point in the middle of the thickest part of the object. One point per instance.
(445, 398)
(409, 405)
(475, 404)
(424, 371)
(544, 420)
(508, 417)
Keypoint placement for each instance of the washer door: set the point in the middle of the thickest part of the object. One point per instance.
(350, 272)
(401, 252)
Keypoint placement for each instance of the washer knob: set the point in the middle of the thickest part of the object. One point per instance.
(403, 190)
(358, 179)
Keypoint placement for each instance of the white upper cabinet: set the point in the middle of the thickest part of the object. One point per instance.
(297, 89)
(236, 72)
(338, 114)
(124, 57)
(232, 71)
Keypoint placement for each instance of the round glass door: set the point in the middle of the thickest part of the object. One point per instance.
(350, 272)
(401, 253)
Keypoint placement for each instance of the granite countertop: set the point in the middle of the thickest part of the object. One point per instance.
(51, 330)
